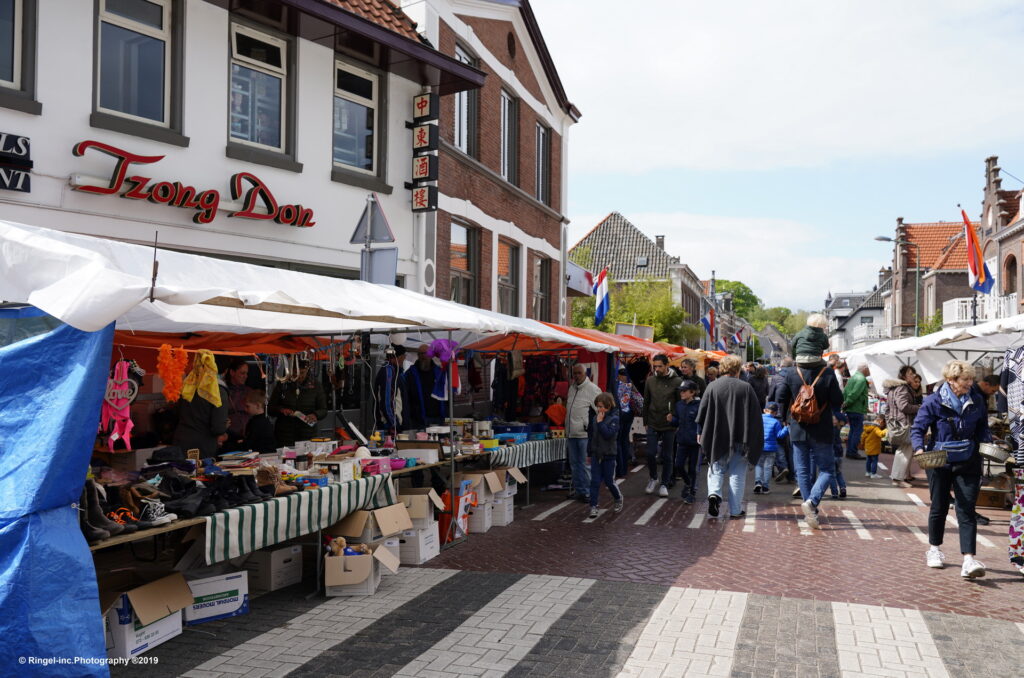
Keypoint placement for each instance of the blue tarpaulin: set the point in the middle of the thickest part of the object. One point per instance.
(52, 380)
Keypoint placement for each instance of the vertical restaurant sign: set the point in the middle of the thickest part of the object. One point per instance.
(425, 144)
(244, 186)
(15, 163)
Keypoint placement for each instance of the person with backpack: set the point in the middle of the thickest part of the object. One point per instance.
(808, 397)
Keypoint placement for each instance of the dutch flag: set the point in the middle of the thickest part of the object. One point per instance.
(978, 275)
(722, 346)
(601, 304)
(708, 321)
(738, 337)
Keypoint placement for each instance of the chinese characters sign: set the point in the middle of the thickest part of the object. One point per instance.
(424, 107)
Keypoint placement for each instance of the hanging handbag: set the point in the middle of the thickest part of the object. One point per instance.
(897, 434)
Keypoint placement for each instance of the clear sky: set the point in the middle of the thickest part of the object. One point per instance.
(772, 140)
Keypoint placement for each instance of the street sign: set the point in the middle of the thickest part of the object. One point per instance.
(374, 223)
(379, 266)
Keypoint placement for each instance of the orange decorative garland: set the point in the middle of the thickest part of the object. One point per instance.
(171, 364)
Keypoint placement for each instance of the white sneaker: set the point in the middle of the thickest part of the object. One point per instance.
(867, 475)
(810, 514)
(153, 511)
(972, 569)
(662, 491)
(651, 486)
(875, 476)
(936, 558)
(593, 512)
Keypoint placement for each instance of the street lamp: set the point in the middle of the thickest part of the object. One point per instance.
(917, 278)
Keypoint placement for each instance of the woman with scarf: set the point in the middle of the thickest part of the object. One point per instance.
(956, 419)
(298, 406)
(203, 408)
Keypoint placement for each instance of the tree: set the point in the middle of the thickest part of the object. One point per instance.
(775, 315)
(644, 302)
(744, 302)
(795, 322)
(932, 324)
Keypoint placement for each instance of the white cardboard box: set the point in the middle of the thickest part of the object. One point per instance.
(418, 546)
(219, 597)
(140, 617)
(480, 519)
(502, 511)
(356, 575)
(420, 503)
(365, 527)
(270, 570)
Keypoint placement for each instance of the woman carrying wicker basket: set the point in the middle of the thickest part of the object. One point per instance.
(957, 421)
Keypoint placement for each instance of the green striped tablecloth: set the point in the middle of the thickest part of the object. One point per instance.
(248, 528)
(530, 453)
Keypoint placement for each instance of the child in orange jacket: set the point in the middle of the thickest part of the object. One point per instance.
(871, 442)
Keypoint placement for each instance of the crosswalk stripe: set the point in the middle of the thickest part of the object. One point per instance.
(553, 509)
(916, 499)
(649, 513)
(748, 523)
(619, 481)
(921, 536)
(600, 512)
(982, 539)
(858, 526)
(637, 468)
(698, 520)
(882, 467)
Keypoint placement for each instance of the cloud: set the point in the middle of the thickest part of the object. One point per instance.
(764, 85)
(785, 262)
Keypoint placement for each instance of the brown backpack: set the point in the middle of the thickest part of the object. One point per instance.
(805, 408)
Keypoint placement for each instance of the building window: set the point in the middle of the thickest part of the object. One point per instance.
(356, 99)
(259, 71)
(543, 156)
(509, 136)
(866, 320)
(508, 278)
(134, 59)
(540, 304)
(11, 20)
(465, 265)
(466, 107)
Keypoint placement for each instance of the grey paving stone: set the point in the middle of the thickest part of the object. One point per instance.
(975, 647)
(786, 637)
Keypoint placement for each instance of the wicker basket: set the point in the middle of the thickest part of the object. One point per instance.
(933, 459)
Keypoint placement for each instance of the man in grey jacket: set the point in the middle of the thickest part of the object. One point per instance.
(579, 408)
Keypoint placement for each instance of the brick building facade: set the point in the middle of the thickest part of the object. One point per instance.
(499, 231)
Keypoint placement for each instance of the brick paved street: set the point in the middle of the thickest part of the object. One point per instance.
(679, 594)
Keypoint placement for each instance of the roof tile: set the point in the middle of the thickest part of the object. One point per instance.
(941, 244)
(381, 12)
(617, 244)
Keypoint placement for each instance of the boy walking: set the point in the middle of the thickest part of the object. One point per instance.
(603, 451)
(871, 442)
(774, 433)
(687, 447)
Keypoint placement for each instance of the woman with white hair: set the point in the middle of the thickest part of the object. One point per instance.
(811, 342)
(953, 419)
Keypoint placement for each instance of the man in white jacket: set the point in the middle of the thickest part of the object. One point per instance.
(579, 409)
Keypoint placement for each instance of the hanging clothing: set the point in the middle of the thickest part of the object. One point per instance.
(1012, 382)
(387, 390)
(202, 379)
(115, 414)
(422, 409)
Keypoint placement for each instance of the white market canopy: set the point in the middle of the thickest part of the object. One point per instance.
(930, 352)
(89, 282)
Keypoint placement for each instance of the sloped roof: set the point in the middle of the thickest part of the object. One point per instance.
(934, 239)
(381, 12)
(617, 244)
(954, 258)
(872, 301)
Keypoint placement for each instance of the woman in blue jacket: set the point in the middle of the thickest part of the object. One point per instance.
(953, 413)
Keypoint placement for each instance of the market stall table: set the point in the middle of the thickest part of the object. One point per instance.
(525, 455)
(145, 534)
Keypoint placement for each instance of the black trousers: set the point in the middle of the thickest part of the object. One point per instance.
(965, 489)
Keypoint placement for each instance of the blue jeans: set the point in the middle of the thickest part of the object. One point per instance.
(624, 444)
(871, 465)
(578, 465)
(603, 470)
(665, 452)
(806, 452)
(856, 429)
(763, 469)
(686, 462)
(838, 479)
(735, 466)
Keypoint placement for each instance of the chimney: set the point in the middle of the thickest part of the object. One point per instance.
(883, 273)
(660, 239)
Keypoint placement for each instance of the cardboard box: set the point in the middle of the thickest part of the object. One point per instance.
(356, 575)
(418, 546)
(364, 527)
(139, 615)
(270, 570)
(219, 597)
(420, 503)
(340, 470)
(512, 477)
(480, 518)
(392, 546)
(484, 484)
(425, 451)
(502, 511)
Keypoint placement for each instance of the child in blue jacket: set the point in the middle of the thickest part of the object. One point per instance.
(684, 416)
(774, 432)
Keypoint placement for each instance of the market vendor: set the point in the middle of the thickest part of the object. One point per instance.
(235, 377)
(203, 408)
(422, 409)
(298, 405)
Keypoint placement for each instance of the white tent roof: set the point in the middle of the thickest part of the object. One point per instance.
(89, 282)
(930, 352)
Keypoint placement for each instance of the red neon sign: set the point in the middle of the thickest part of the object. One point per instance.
(205, 202)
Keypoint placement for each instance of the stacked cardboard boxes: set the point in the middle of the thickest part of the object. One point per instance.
(421, 542)
(378, 529)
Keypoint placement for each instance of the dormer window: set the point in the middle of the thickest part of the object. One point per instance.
(641, 262)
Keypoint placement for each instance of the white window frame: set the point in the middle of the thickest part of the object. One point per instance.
(262, 67)
(165, 35)
(19, 28)
(543, 164)
(509, 115)
(460, 133)
(373, 104)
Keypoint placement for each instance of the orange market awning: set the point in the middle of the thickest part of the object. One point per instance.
(620, 342)
(519, 342)
(219, 342)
